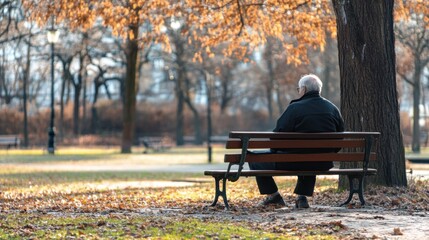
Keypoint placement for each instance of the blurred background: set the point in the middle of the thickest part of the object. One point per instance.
(80, 77)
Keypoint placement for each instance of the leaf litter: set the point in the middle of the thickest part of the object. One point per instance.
(391, 212)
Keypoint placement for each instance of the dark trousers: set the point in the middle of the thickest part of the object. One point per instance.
(304, 185)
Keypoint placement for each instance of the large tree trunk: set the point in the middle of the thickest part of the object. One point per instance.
(129, 111)
(368, 86)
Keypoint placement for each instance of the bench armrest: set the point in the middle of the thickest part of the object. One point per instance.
(244, 145)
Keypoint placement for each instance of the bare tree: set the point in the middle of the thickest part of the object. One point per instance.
(413, 36)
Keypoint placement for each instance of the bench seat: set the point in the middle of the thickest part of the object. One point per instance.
(262, 173)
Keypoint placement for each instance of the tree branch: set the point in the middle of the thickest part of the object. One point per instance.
(406, 79)
(241, 18)
(226, 4)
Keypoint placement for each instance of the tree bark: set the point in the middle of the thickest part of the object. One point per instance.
(369, 99)
(129, 103)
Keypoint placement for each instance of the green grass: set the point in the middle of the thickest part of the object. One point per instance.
(178, 155)
(24, 179)
(137, 227)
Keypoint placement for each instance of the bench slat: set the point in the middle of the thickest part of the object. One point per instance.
(267, 143)
(315, 157)
(252, 173)
(297, 135)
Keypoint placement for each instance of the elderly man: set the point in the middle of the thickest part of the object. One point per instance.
(309, 113)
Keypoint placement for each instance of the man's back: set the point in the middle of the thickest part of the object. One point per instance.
(310, 113)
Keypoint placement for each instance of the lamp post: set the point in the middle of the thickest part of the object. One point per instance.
(53, 35)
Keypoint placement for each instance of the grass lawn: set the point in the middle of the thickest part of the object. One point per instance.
(50, 204)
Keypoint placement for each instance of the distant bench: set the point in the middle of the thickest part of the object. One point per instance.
(356, 147)
(213, 139)
(156, 144)
(9, 141)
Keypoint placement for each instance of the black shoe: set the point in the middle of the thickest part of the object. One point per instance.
(277, 199)
(301, 202)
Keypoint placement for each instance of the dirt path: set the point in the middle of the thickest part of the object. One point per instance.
(359, 223)
(370, 223)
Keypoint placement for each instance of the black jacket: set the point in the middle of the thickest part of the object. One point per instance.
(311, 113)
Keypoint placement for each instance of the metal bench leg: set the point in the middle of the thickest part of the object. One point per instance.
(356, 186)
(219, 192)
(360, 191)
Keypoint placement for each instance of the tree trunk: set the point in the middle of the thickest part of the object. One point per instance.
(179, 111)
(65, 81)
(208, 81)
(129, 109)
(25, 93)
(94, 120)
(369, 99)
(181, 88)
(84, 96)
(270, 82)
(416, 107)
(94, 113)
(76, 106)
(327, 69)
(197, 122)
(280, 102)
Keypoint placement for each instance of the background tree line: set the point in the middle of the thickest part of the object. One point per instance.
(172, 87)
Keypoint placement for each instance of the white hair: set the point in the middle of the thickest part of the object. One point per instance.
(311, 82)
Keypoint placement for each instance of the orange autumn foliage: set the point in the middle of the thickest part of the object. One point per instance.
(243, 24)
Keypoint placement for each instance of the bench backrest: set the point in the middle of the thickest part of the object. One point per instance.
(355, 146)
(7, 139)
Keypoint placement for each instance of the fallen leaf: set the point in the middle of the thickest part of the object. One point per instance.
(397, 231)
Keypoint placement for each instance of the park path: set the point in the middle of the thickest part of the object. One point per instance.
(359, 223)
(419, 170)
(373, 223)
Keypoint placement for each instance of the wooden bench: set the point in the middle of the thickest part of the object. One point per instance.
(359, 147)
(9, 141)
(156, 144)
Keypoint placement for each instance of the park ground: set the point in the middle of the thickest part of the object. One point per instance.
(101, 194)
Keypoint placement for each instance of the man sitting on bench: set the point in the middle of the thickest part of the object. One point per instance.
(310, 113)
